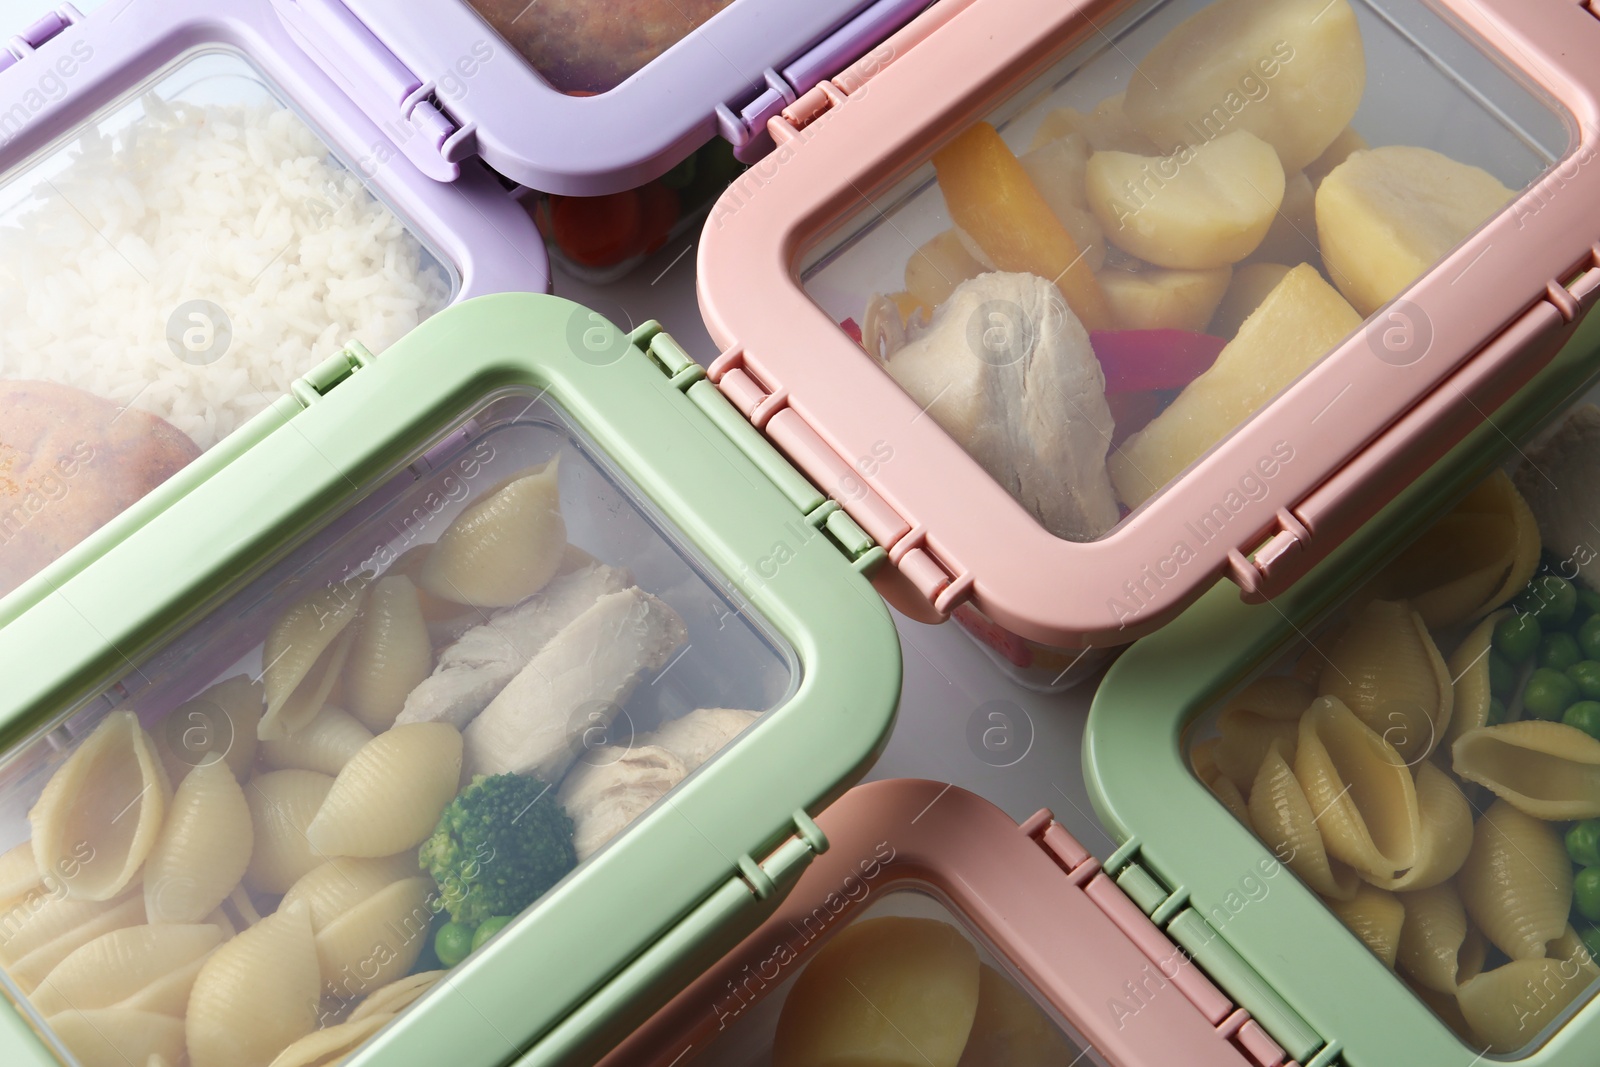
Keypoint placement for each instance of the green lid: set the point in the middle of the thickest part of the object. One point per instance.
(1265, 937)
(657, 475)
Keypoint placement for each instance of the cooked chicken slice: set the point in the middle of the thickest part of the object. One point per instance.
(612, 787)
(697, 736)
(1560, 480)
(472, 671)
(575, 684)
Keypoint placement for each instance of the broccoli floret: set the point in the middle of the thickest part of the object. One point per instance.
(500, 845)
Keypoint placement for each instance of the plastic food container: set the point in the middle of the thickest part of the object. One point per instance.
(1028, 208)
(1452, 995)
(193, 218)
(526, 87)
(342, 621)
(1051, 963)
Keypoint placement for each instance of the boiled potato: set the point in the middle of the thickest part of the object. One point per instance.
(1106, 128)
(1292, 238)
(943, 262)
(1057, 171)
(1201, 208)
(1384, 216)
(1299, 321)
(1159, 299)
(1340, 150)
(1290, 71)
(1010, 1030)
(889, 992)
(1251, 284)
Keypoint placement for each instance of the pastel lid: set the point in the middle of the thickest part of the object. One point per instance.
(673, 636)
(582, 97)
(192, 217)
(835, 230)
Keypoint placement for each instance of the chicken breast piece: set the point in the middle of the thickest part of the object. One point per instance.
(613, 787)
(471, 672)
(699, 735)
(1560, 480)
(575, 685)
(1006, 369)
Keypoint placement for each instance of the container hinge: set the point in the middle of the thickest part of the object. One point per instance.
(404, 106)
(320, 380)
(24, 44)
(787, 861)
(1221, 984)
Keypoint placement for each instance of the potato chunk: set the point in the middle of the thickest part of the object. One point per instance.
(1106, 128)
(1159, 299)
(1293, 235)
(1197, 209)
(1250, 286)
(1057, 171)
(889, 992)
(1290, 71)
(943, 262)
(1299, 321)
(1384, 216)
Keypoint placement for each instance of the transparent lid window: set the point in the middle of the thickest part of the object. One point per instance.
(284, 826)
(1094, 285)
(935, 993)
(1428, 763)
(166, 271)
(587, 47)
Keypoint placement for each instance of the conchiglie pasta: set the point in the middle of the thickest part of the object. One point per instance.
(99, 814)
(282, 805)
(1276, 696)
(1376, 917)
(256, 995)
(1469, 666)
(1570, 948)
(1282, 817)
(1431, 941)
(397, 996)
(1245, 738)
(1507, 1007)
(322, 1048)
(389, 796)
(377, 941)
(391, 655)
(324, 745)
(116, 1037)
(1361, 789)
(203, 849)
(1545, 769)
(31, 969)
(43, 916)
(504, 548)
(1228, 793)
(19, 872)
(1203, 757)
(1517, 881)
(304, 652)
(220, 723)
(1445, 831)
(169, 994)
(117, 966)
(340, 884)
(1387, 670)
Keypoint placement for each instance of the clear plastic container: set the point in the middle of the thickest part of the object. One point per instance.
(633, 663)
(167, 270)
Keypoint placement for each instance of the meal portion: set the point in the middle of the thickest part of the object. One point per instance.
(586, 47)
(1089, 295)
(1431, 765)
(401, 756)
(164, 277)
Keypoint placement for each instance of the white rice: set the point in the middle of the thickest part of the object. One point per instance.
(241, 206)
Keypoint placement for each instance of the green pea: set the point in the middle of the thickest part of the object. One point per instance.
(1585, 715)
(1497, 711)
(1502, 675)
(1590, 936)
(1583, 843)
(1516, 637)
(488, 928)
(1586, 675)
(453, 943)
(1588, 604)
(1586, 893)
(1559, 650)
(1548, 693)
(1589, 637)
(1550, 598)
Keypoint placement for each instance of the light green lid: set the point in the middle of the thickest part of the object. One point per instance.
(1259, 932)
(700, 869)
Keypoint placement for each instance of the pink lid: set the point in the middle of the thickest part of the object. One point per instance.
(1321, 457)
(1032, 892)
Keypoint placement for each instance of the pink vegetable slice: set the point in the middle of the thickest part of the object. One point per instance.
(1137, 361)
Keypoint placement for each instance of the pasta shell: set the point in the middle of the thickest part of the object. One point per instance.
(391, 655)
(389, 796)
(1310, 664)
(1282, 817)
(504, 548)
(325, 744)
(1376, 917)
(1469, 666)
(1361, 790)
(1204, 758)
(41, 917)
(1388, 671)
(169, 994)
(99, 814)
(1545, 769)
(341, 884)
(1570, 947)
(1507, 1007)
(116, 966)
(322, 1048)
(31, 969)
(242, 907)
(1445, 835)
(1498, 495)
(282, 805)
(116, 1037)
(397, 996)
(203, 849)
(1517, 881)
(19, 872)
(1245, 738)
(256, 995)
(377, 941)
(1276, 696)
(1225, 791)
(302, 656)
(1474, 953)
(220, 723)
(1432, 938)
